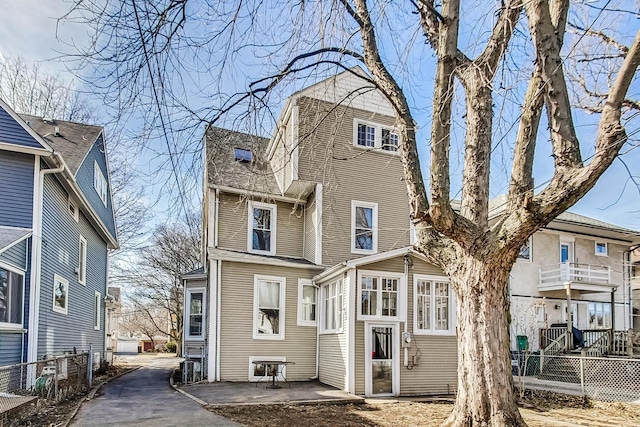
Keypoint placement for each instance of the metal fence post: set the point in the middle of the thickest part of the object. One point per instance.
(55, 379)
(90, 365)
(582, 375)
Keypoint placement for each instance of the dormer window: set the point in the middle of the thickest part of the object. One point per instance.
(389, 140)
(374, 136)
(242, 155)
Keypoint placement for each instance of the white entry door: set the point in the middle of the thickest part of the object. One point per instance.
(574, 313)
(382, 376)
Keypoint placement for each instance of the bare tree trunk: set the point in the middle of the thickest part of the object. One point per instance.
(485, 381)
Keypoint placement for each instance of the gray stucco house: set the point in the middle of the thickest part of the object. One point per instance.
(57, 227)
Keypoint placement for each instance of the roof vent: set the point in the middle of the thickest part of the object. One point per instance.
(243, 155)
(56, 131)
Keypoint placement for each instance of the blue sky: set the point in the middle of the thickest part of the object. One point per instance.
(28, 28)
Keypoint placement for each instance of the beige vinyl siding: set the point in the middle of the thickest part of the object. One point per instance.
(327, 155)
(437, 371)
(233, 222)
(310, 218)
(332, 351)
(236, 324)
(332, 359)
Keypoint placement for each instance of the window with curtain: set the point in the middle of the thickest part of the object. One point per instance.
(11, 296)
(269, 308)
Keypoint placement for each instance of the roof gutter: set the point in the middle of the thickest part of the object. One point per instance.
(248, 193)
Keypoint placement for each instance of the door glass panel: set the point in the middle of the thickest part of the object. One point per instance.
(564, 253)
(381, 360)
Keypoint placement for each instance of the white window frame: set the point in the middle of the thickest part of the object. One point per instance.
(530, 244)
(5, 326)
(274, 217)
(401, 295)
(374, 227)
(187, 313)
(281, 302)
(302, 283)
(82, 261)
(600, 308)
(97, 311)
(59, 279)
(265, 377)
(73, 209)
(606, 248)
(334, 299)
(451, 307)
(377, 143)
(99, 182)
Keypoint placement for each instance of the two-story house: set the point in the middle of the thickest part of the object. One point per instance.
(308, 254)
(56, 228)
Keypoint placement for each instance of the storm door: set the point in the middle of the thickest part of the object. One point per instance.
(382, 373)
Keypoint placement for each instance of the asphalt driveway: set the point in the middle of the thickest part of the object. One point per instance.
(145, 398)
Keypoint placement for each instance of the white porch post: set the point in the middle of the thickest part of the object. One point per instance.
(569, 341)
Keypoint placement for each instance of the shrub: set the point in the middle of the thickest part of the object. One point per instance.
(171, 347)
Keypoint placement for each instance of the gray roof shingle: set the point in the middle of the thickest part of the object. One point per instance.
(74, 140)
(10, 235)
(224, 170)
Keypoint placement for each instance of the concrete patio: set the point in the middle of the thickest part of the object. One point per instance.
(232, 393)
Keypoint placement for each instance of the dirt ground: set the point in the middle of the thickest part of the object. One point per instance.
(540, 409)
(45, 413)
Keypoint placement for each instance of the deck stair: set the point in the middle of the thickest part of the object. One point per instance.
(561, 369)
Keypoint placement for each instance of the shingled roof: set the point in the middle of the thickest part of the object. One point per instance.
(73, 142)
(224, 170)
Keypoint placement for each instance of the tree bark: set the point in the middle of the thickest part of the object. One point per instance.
(485, 381)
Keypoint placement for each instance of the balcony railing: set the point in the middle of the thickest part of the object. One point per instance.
(573, 272)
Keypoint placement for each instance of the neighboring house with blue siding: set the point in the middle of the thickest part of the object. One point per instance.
(57, 227)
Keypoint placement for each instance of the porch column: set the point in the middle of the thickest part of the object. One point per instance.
(613, 309)
(569, 341)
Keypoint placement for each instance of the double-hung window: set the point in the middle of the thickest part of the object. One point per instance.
(525, 251)
(375, 136)
(11, 297)
(599, 315)
(364, 227)
(307, 307)
(60, 294)
(97, 311)
(332, 307)
(99, 183)
(601, 249)
(82, 261)
(195, 313)
(379, 295)
(433, 306)
(262, 228)
(268, 307)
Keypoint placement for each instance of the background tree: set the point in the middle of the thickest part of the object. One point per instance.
(156, 282)
(511, 55)
(143, 320)
(28, 89)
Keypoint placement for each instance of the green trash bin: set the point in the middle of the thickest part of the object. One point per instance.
(523, 342)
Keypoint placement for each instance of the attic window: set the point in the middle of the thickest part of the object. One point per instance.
(243, 155)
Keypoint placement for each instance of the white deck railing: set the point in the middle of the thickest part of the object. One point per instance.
(573, 272)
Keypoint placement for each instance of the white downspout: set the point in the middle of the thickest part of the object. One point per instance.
(36, 251)
(406, 280)
(215, 220)
(219, 292)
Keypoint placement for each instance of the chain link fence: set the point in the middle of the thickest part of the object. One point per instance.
(54, 379)
(601, 378)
